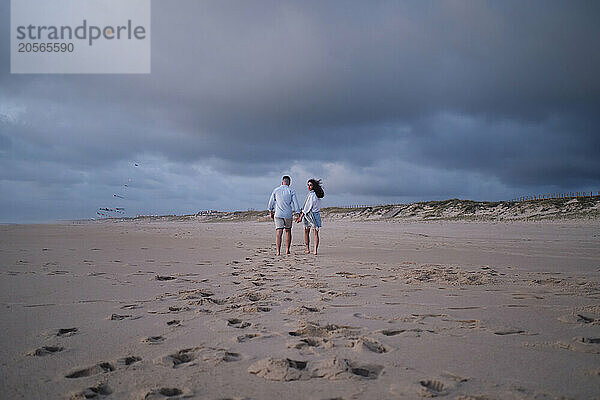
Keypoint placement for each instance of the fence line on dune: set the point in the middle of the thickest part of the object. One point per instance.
(362, 205)
(567, 195)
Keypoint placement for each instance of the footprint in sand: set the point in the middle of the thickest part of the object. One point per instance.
(309, 329)
(167, 392)
(275, 369)
(128, 360)
(310, 342)
(180, 358)
(119, 317)
(164, 278)
(585, 319)
(443, 385)
(432, 388)
(93, 370)
(58, 272)
(369, 317)
(302, 310)
(231, 357)
(238, 323)
(209, 300)
(311, 308)
(414, 332)
(366, 371)
(45, 350)
(66, 331)
(131, 306)
(369, 344)
(509, 332)
(246, 337)
(173, 309)
(590, 340)
(195, 294)
(589, 345)
(576, 318)
(255, 296)
(154, 340)
(94, 392)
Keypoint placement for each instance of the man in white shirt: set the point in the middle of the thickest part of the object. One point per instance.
(283, 204)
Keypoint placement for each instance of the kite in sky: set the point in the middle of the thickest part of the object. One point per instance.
(111, 212)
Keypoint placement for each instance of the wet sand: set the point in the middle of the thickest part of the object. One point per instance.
(388, 310)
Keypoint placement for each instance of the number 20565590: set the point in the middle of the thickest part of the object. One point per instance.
(46, 47)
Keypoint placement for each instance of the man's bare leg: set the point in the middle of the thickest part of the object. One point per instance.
(288, 236)
(278, 236)
(307, 240)
(316, 232)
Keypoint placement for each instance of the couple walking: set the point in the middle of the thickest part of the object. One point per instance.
(283, 205)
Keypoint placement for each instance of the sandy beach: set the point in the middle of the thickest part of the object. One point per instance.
(388, 310)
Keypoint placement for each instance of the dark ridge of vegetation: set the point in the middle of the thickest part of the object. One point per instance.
(449, 210)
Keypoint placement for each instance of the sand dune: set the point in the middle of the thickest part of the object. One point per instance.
(584, 208)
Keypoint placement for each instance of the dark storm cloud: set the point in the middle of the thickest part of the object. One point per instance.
(387, 62)
(557, 151)
(385, 100)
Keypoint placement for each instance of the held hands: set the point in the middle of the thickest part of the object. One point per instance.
(299, 217)
(272, 215)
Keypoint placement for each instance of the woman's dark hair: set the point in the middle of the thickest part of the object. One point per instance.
(316, 183)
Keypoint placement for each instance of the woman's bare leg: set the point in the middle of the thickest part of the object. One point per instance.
(316, 232)
(288, 236)
(307, 240)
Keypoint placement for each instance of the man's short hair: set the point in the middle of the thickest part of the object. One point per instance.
(286, 179)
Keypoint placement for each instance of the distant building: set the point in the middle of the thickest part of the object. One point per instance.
(206, 212)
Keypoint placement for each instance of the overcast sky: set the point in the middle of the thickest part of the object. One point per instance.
(386, 102)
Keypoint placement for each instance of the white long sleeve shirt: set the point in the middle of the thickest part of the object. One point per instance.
(312, 203)
(284, 202)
